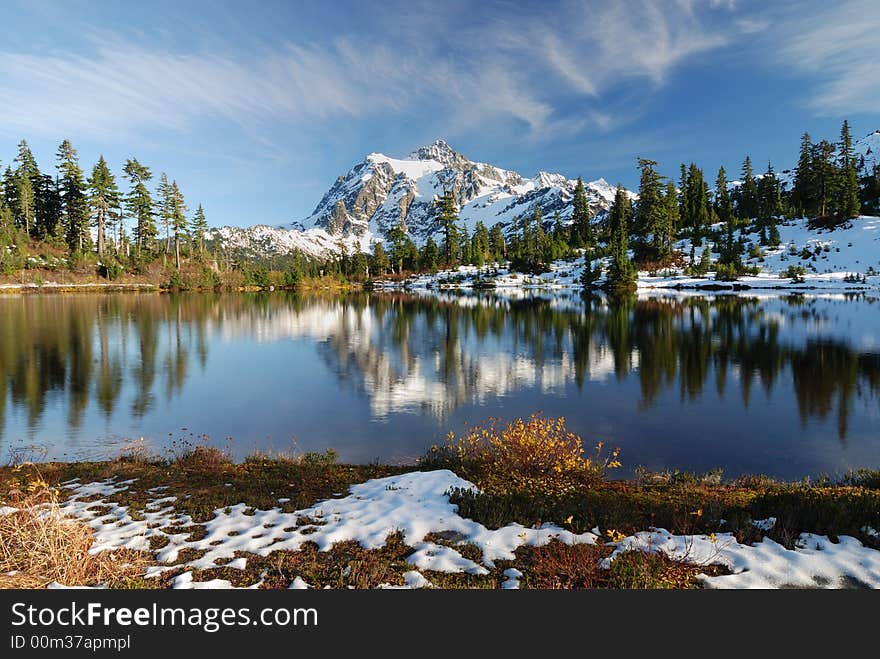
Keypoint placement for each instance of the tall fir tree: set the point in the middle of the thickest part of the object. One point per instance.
(803, 193)
(380, 260)
(621, 270)
(650, 211)
(103, 200)
(748, 192)
(446, 210)
(27, 180)
(827, 178)
(198, 229)
(165, 202)
(139, 206)
(48, 208)
(497, 243)
(73, 199)
(581, 225)
(178, 219)
(848, 203)
(723, 204)
(697, 207)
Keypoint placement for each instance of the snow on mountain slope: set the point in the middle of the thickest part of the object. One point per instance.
(381, 192)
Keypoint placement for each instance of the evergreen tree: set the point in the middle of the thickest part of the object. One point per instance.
(397, 241)
(480, 244)
(165, 199)
(671, 221)
(27, 177)
(430, 255)
(804, 190)
(103, 199)
(697, 207)
(380, 260)
(178, 219)
(684, 218)
(621, 271)
(497, 244)
(848, 204)
(748, 194)
(650, 212)
(198, 228)
(769, 200)
(723, 204)
(73, 199)
(48, 207)
(139, 206)
(581, 226)
(447, 218)
(826, 177)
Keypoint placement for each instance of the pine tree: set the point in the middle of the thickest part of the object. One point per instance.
(139, 205)
(27, 177)
(48, 207)
(480, 244)
(178, 219)
(748, 194)
(103, 199)
(430, 255)
(497, 243)
(165, 198)
(650, 212)
(397, 240)
(723, 204)
(621, 271)
(769, 200)
(380, 260)
(849, 182)
(696, 203)
(73, 199)
(447, 218)
(826, 174)
(804, 190)
(581, 226)
(669, 227)
(198, 228)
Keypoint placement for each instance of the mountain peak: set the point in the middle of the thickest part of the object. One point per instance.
(438, 150)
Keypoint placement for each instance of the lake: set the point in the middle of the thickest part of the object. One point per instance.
(787, 386)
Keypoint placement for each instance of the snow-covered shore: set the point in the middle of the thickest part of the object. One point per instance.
(417, 504)
(834, 259)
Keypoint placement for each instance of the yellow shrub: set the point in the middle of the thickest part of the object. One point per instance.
(534, 455)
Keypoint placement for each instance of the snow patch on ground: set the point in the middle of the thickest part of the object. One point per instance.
(417, 504)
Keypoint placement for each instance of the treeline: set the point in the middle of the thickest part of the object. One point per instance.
(91, 217)
(825, 187)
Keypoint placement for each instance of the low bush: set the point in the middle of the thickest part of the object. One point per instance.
(536, 455)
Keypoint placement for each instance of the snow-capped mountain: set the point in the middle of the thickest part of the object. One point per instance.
(381, 193)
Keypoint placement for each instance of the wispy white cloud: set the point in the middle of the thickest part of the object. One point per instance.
(836, 44)
(511, 67)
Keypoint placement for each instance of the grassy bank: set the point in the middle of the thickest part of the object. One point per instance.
(203, 481)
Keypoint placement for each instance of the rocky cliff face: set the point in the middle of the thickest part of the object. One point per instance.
(382, 192)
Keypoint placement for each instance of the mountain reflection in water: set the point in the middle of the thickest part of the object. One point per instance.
(784, 385)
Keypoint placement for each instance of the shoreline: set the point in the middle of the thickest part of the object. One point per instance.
(200, 520)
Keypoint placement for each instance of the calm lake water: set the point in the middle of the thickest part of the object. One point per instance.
(787, 386)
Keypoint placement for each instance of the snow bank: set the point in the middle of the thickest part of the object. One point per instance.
(417, 504)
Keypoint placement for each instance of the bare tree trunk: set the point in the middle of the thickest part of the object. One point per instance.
(177, 249)
(100, 232)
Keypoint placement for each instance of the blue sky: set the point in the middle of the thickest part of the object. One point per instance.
(255, 110)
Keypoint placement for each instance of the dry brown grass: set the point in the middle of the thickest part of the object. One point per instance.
(39, 545)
